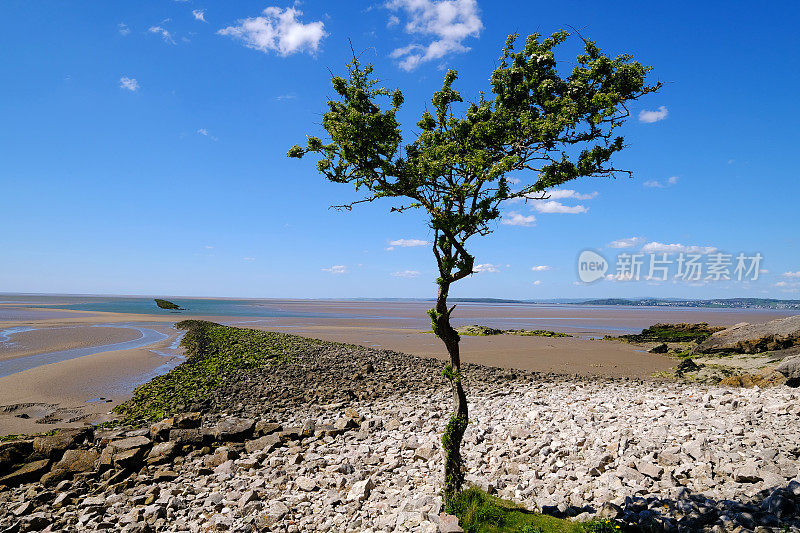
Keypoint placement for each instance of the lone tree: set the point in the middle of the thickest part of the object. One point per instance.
(547, 127)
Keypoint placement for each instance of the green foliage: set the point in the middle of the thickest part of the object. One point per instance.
(556, 128)
(673, 333)
(485, 331)
(214, 352)
(166, 304)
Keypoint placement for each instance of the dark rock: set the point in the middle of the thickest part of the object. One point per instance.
(266, 428)
(685, 366)
(186, 436)
(660, 348)
(13, 452)
(266, 443)
(159, 431)
(28, 472)
(188, 420)
(234, 429)
(162, 452)
(52, 447)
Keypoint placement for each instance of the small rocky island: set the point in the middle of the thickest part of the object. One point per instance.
(166, 304)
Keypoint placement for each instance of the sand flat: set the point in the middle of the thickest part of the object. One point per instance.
(53, 339)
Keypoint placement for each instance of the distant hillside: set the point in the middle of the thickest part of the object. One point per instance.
(737, 303)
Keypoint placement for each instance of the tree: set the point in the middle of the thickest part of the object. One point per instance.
(539, 123)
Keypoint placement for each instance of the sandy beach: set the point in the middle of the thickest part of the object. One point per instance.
(66, 392)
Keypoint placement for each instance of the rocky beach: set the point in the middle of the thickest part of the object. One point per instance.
(345, 438)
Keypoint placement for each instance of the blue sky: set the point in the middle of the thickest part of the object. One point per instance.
(142, 148)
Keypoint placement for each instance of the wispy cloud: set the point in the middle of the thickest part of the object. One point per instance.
(199, 14)
(248, 258)
(630, 242)
(123, 29)
(165, 35)
(513, 218)
(287, 96)
(673, 180)
(406, 274)
(129, 83)
(648, 117)
(408, 243)
(537, 282)
(278, 30)
(658, 247)
(560, 194)
(791, 274)
(486, 267)
(204, 132)
(541, 268)
(336, 269)
(445, 24)
(552, 206)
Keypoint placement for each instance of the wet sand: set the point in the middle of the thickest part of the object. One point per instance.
(55, 339)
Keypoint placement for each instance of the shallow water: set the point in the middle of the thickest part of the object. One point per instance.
(12, 366)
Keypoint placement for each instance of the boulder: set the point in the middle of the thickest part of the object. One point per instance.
(188, 420)
(449, 524)
(360, 490)
(234, 429)
(266, 443)
(774, 335)
(267, 428)
(75, 461)
(791, 369)
(163, 452)
(159, 431)
(186, 436)
(12, 453)
(53, 446)
(28, 472)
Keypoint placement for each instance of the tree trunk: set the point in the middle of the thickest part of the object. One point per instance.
(454, 432)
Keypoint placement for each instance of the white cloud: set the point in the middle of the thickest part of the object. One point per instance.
(336, 269)
(406, 274)
(486, 267)
(287, 96)
(657, 247)
(659, 185)
(552, 206)
(537, 282)
(559, 194)
(648, 117)
(408, 243)
(123, 29)
(515, 219)
(166, 35)
(204, 132)
(630, 242)
(129, 83)
(791, 274)
(278, 30)
(248, 258)
(393, 21)
(541, 268)
(447, 22)
(199, 14)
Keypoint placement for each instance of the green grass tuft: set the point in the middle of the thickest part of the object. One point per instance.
(479, 512)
